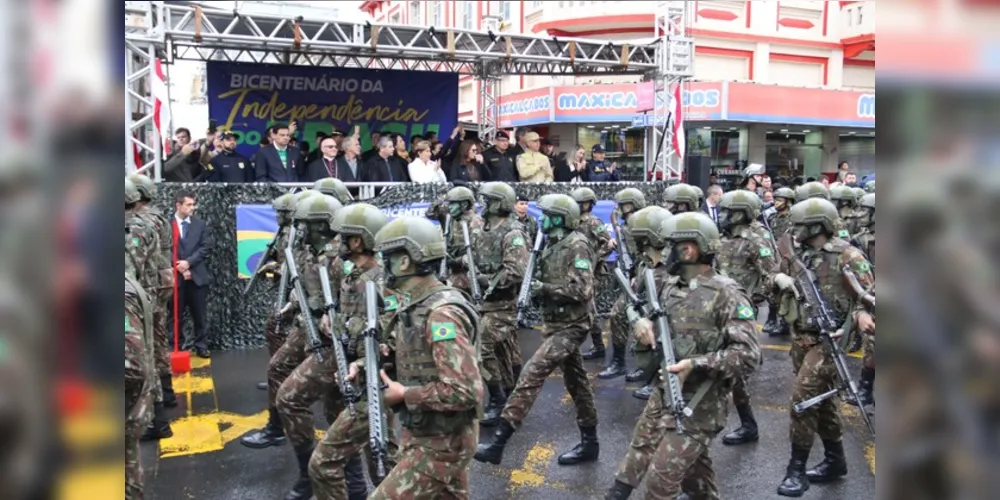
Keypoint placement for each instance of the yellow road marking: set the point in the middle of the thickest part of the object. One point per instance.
(94, 481)
(91, 430)
(786, 348)
(234, 426)
(197, 384)
(870, 456)
(532, 473)
(199, 363)
(193, 435)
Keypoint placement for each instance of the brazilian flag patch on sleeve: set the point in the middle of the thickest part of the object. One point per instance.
(765, 252)
(518, 241)
(863, 266)
(844, 234)
(135, 241)
(443, 331)
(582, 264)
(128, 325)
(391, 303)
(744, 312)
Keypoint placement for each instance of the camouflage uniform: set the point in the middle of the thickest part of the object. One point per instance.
(437, 362)
(618, 321)
(782, 224)
(141, 261)
(139, 377)
(272, 333)
(530, 224)
(501, 256)
(597, 235)
(348, 435)
(711, 319)
(458, 270)
(165, 291)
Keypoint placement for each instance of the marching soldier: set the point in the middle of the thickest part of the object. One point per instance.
(440, 386)
(460, 203)
(846, 201)
(600, 244)
(715, 343)
(565, 284)
(142, 261)
(274, 262)
(820, 250)
(533, 166)
(746, 255)
(501, 256)
(162, 296)
(682, 198)
(781, 227)
(865, 241)
(357, 226)
(811, 190)
(629, 201)
(645, 226)
(332, 186)
(139, 381)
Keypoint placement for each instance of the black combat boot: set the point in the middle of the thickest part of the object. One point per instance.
(833, 466)
(747, 433)
(159, 428)
(795, 483)
(772, 328)
(783, 329)
(617, 367)
(597, 351)
(354, 473)
(271, 435)
(866, 390)
(262, 386)
(169, 396)
(620, 491)
(645, 392)
(303, 488)
(493, 411)
(636, 376)
(587, 451)
(493, 452)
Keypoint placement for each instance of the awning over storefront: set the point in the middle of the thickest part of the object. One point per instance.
(704, 101)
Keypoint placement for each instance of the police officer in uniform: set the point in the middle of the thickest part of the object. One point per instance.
(501, 159)
(599, 169)
(229, 166)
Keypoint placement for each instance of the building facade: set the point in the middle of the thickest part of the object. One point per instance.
(789, 84)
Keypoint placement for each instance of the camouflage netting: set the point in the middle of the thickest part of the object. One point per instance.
(236, 322)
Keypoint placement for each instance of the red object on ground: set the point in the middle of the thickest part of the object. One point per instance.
(73, 396)
(180, 361)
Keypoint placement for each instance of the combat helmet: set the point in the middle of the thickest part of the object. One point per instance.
(321, 208)
(681, 193)
(334, 187)
(870, 187)
(740, 200)
(284, 204)
(812, 190)
(460, 193)
(633, 196)
(646, 223)
(816, 212)
(868, 204)
(754, 169)
(561, 205)
(420, 238)
(859, 193)
(701, 196)
(132, 195)
(360, 219)
(843, 196)
(499, 191)
(693, 226)
(584, 195)
(786, 193)
(301, 195)
(145, 185)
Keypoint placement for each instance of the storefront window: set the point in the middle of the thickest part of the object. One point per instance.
(859, 151)
(789, 156)
(623, 145)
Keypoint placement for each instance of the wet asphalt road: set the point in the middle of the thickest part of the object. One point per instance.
(529, 469)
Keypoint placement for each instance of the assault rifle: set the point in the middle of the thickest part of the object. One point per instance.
(346, 387)
(477, 295)
(283, 284)
(625, 262)
(524, 296)
(264, 259)
(373, 382)
(447, 237)
(314, 340)
(819, 313)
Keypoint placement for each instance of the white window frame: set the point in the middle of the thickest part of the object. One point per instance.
(438, 18)
(505, 10)
(468, 11)
(416, 13)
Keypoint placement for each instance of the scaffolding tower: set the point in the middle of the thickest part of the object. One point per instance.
(675, 66)
(203, 31)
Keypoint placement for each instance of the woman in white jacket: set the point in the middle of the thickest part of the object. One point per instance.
(423, 170)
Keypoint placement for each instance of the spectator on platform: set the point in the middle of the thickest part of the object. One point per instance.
(414, 140)
(424, 169)
(373, 152)
(384, 167)
(501, 160)
(450, 149)
(522, 145)
(316, 152)
(229, 166)
(185, 164)
(469, 165)
(402, 152)
(278, 162)
(431, 136)
(599, 169)
(326, 165)
(572, 169)
(349, 164)
(533, 166)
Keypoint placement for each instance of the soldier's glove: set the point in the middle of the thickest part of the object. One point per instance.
(484, 280)
(288, 311)
(537, 287)
(786, 283)
(644, 332)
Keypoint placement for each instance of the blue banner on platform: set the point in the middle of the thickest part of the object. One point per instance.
(248, 98)
(256, 225)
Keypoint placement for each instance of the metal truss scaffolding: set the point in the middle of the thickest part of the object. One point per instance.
(675, 65)
(205, 32)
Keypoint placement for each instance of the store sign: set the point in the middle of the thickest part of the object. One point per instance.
(595, 103)
(800, 106)
(866, 106)
(530, 107)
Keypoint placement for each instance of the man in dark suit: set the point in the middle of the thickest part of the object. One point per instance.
(383, 167)
(278, 162)
(192, 244)
(328, 163)
(712, 198)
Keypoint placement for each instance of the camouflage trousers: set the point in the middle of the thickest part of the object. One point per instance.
(273, 335)
(869, 357)
(619, 325)
(283, 362)
(560, 349)
(313, 380)
(673, 462)
(346, 436)
(133, 464)
(741, 391)
(431, 468)
(496, 329)
(815, 374)
(161, 333)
